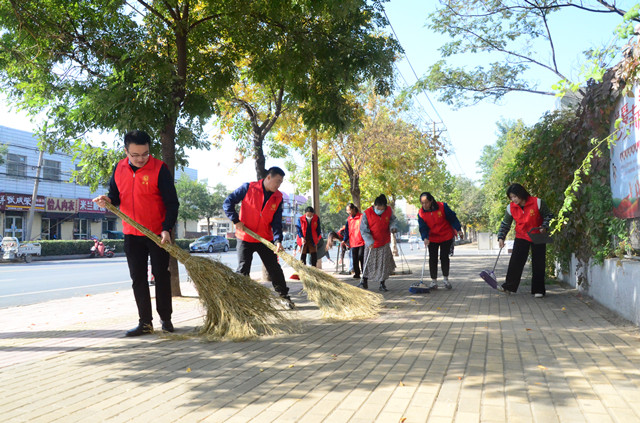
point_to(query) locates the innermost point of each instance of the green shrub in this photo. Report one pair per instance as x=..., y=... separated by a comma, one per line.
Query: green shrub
x=233, y=242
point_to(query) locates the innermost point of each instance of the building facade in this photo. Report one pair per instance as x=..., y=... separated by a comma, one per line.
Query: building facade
x=63, y=209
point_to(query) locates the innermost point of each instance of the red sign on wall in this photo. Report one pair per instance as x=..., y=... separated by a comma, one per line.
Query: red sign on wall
x=19, y=202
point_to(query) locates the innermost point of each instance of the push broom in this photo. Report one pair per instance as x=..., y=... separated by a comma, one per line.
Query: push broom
x=237, y=307
x=336, y=300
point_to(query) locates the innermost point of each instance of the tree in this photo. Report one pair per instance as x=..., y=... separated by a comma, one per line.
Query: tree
x=193, y=197
x=3, y=152
x=212, y=207
x=310, y=61
x=520, y=33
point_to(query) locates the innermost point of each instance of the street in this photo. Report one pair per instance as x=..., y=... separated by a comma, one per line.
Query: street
x=24, y=284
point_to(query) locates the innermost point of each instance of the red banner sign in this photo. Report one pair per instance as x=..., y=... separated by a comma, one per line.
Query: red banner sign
x=19, y=202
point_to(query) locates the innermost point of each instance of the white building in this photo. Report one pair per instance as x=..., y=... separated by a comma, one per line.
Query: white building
x=63, y=209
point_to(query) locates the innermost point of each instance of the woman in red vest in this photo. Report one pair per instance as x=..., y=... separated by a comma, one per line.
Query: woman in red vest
x=353, y=239
x=438, y=226
x=309, y=233
x=378, y=222
x=528, y=212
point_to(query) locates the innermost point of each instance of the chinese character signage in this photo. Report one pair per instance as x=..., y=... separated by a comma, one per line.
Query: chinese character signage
x=625, y=160
x=86, y=205
x=19, y=202
x=61, y=205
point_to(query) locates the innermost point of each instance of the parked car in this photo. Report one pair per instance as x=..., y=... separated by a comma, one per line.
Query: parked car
x=209, y=243
x=113, y=235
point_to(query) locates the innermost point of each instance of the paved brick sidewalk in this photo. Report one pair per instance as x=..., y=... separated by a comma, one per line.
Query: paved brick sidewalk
x=465, y=355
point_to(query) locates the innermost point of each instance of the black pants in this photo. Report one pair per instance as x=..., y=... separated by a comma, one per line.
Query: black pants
x=357, y=259
x=519, y=259
x=314, y=258
x=138, y=250
x=269, y=259
x=445, y=249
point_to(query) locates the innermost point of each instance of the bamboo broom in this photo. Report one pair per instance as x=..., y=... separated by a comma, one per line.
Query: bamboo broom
x=237, y=307
x=337, y=300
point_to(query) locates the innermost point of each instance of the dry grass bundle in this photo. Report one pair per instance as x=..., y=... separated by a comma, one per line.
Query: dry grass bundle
x=337, y=300
x=237, y=307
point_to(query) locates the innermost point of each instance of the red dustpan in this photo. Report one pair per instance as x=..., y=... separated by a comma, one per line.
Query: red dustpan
x=489, y=276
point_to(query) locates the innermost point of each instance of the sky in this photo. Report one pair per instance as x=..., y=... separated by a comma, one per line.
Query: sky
x=468, y=129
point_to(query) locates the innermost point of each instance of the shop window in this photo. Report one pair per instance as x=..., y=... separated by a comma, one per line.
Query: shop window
x=13, y=226
x=81, y=229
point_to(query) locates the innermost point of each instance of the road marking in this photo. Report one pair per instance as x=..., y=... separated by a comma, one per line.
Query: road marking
x=70, y=288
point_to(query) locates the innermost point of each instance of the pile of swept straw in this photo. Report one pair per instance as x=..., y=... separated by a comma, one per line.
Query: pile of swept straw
x=237, y=307
x=336, y=300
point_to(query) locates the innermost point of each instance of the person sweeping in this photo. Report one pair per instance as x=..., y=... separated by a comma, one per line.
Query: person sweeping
x=528, y=212
x=310, y=234
x=438, y=226
x=143, y=187
x=261, y=212
x=378, y=222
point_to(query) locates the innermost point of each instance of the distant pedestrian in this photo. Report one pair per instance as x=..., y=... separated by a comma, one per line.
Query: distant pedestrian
x=309, y=232
x=353, y=239
x=378, y=223
x=144, y=189
x=260, y=211
x=438, y=226
x=529, y=212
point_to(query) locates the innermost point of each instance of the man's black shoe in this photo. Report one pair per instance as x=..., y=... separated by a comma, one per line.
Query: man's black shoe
x=356, y=276
x=363, y=285
x=141, y=329
x=167, y=326
x=382, y=287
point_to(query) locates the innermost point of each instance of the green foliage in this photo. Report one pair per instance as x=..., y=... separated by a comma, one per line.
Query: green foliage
x=403, y=224
x=465, y=199
x=3, y=153
x=196, y=201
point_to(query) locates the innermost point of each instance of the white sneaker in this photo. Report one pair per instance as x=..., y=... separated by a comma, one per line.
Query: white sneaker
x=501, y=289
x=538, y=295
x=447, y=284
x=433, y=285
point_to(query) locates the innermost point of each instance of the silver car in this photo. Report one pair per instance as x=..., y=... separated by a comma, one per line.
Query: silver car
x=209, y=243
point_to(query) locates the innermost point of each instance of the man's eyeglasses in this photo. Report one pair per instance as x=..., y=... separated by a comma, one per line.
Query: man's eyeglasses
x=138, y=156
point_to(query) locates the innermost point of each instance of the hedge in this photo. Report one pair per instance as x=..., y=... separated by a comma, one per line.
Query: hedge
x=83, y=246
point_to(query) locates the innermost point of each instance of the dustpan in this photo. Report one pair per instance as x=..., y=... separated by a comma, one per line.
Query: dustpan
x=539, y=238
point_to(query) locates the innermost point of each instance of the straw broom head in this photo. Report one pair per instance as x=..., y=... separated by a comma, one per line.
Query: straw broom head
x=337, y=300
x=237, y=307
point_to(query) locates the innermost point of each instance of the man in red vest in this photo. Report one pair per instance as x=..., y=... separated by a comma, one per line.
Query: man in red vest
x=144, y=189
x=260, y=211
x=309, y=232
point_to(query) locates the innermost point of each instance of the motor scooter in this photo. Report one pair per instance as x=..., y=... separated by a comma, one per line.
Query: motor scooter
x=101, y=250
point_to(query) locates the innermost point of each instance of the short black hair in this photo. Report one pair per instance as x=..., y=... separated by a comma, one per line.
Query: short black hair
x=136, y=137
x=309, y=209
x=380, y=200
x=519, y=191
x=275, y=170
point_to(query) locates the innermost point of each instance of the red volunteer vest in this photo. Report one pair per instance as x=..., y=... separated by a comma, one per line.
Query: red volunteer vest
x=140, y=197
x=379, y=226
x=254, y=216
x=355, y=237
x=526, y=218
x=314, y=227
x=440, y=230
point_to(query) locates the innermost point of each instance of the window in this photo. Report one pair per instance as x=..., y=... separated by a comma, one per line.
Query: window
x=80, y=228
x=51, y=170
x=16, y=165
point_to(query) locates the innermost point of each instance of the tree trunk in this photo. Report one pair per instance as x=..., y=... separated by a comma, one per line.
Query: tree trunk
x=258, y=154
x=354, y=188
x=167, y=137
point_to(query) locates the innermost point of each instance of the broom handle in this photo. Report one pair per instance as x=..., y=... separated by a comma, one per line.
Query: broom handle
x=366, y=261
x=401, y=252
x=496, y=263
x=424, y=261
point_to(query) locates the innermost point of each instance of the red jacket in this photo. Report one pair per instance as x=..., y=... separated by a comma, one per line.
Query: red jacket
x=140, y=197
x=355, y=237
x=440, y=230
x=315, y=220
x=379, y=226
x=526, y=218
x=255, y=217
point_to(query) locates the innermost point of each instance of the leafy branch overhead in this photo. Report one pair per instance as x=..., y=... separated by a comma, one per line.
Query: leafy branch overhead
x=518, y=33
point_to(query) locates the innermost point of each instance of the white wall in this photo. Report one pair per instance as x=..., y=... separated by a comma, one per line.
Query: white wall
x=615, y=285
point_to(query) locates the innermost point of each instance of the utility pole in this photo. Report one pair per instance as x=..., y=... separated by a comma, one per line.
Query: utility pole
x=34, y=198
x=315, y=184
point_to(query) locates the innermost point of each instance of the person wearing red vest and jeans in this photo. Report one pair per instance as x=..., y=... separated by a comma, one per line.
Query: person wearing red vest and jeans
x=438, y=226
x=378, y=222
x=261, y=211
x=144, y=189
x=309, y=232
x=529, y=212
x=353, y=239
